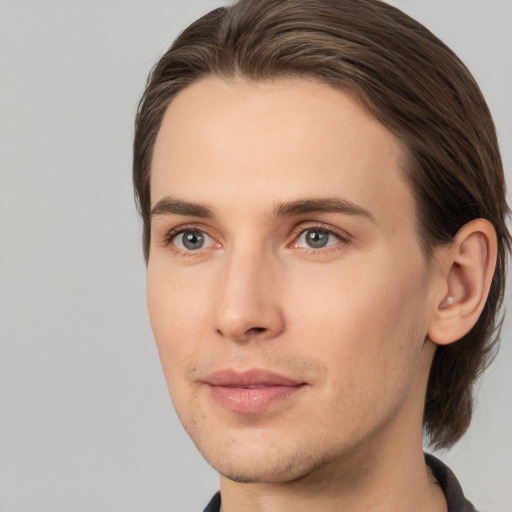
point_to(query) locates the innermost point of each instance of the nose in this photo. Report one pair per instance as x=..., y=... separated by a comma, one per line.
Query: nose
x=248, y=305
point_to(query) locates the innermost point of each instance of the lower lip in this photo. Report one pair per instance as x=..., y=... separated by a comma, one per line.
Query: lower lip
x=252, y=400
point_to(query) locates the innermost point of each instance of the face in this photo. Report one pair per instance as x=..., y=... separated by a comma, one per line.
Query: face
x=287, y=290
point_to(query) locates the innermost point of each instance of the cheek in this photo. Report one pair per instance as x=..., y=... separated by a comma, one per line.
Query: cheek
x=177, y=308
x=368, y=334
x=174, y=306
x=363, y=316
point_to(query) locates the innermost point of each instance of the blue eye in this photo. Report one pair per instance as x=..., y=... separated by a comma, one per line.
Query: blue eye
x=316, y=239
x=192, y=240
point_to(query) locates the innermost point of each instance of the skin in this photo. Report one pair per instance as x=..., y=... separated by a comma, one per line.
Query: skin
x=349, y=320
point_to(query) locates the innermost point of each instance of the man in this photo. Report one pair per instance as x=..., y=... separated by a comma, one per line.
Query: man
x=324, y=227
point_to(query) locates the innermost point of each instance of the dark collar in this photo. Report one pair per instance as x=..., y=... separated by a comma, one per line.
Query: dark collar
x=450, y=485
x=214, y=505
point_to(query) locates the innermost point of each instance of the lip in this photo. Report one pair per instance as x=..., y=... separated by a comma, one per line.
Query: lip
x=252, y=391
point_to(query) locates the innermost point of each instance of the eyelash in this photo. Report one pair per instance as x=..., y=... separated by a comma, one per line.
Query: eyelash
x=297, y=232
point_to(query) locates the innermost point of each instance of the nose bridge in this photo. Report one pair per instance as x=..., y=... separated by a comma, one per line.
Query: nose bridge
x=247, y=305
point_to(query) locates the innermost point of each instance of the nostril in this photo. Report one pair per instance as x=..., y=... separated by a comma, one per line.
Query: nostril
x=257, y=329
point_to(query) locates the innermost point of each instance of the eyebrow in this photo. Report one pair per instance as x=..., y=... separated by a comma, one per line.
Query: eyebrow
x=171, y=206
x=323, y=205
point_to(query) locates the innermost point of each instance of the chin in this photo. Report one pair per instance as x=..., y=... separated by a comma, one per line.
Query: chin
x=266, y=465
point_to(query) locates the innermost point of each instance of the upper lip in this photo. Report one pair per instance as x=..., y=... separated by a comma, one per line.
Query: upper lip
x=254, y=377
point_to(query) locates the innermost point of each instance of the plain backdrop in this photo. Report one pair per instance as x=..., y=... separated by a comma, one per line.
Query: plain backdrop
x=85, y=419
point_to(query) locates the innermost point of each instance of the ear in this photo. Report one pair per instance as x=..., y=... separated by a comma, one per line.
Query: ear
x=466, y=270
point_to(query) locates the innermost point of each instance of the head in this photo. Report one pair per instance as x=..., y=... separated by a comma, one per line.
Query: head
x=400, y=76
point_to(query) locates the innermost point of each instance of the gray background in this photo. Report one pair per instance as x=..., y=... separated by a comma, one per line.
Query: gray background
x=85, y=420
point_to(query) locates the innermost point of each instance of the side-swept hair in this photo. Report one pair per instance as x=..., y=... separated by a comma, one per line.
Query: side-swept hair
x=408, y=80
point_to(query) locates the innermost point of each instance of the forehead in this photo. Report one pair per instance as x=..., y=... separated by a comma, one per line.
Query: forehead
x=275, y=142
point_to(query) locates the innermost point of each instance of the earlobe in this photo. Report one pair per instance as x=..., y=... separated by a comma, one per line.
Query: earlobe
x=467, y=268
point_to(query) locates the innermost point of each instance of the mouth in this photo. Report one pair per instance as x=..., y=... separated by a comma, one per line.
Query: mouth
x=252, y=391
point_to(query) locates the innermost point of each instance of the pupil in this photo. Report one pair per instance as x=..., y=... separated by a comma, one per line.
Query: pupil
x=193, y=240
x=317, y=239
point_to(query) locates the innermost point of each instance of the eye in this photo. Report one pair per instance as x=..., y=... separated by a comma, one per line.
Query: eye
x=192, y=240
x=316, y=238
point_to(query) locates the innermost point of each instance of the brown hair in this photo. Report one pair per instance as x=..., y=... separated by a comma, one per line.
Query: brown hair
x=412, y=83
